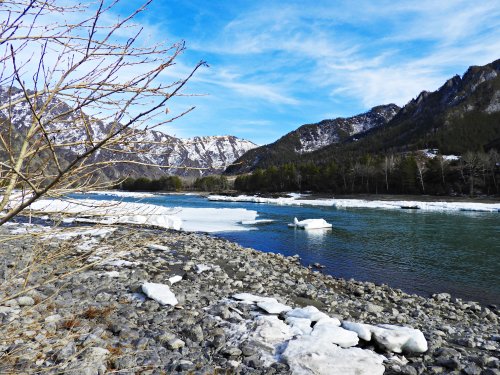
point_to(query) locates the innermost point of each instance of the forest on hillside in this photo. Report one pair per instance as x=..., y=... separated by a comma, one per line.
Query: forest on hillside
x=475, y=173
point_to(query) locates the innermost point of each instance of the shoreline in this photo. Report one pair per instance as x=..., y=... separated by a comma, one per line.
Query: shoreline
x=317, y=196
x=461, y=335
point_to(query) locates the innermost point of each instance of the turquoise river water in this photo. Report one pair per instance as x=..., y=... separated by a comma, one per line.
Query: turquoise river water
x=417, y=251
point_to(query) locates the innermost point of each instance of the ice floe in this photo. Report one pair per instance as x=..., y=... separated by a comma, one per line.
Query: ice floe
x=161, y=293
x=310, y=224
x=257, y=222
x=311, y=342
x=361, y=203
x=117, y=212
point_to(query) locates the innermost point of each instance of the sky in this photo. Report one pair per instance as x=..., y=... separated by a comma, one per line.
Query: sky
x=276, y=65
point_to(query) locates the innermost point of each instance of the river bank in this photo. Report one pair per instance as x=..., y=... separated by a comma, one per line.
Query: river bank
x=99, y=319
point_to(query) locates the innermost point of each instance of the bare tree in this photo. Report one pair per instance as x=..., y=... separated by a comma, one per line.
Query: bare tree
x=421, y=162
x=89, y=83
x=471, y=161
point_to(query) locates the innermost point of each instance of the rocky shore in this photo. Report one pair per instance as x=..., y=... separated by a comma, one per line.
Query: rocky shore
x=128, y=300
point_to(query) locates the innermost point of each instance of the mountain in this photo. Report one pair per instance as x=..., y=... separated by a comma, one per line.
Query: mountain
x=312, y=137
x=194, y=156
x=462, y=115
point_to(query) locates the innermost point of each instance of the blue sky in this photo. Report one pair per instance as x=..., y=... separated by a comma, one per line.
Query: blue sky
x=275, y=65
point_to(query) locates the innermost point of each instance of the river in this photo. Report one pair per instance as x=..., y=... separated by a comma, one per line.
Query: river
x=414, y=250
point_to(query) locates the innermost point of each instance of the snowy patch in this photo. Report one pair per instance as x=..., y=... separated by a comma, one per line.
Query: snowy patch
x=116, y=212
x=161, y=293
x=361, y=203
x=118, y=193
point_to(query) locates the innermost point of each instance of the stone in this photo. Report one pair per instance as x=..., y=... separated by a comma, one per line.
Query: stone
x=175, y=344
x=25, y=301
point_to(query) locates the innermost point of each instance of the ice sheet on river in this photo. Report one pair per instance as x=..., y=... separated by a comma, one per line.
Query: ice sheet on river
x=361, y=203
x=117, y=212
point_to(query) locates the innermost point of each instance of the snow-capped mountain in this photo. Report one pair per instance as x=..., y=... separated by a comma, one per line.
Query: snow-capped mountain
x=154, y=153
x=312, y=137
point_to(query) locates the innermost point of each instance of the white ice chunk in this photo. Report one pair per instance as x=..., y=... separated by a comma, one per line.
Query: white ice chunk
x=174, y=279
x=154, y=246
x=202, y=268
x=252, y=298
x=110, y=274
x=270, y=333
x=300, y=326
x=308, y=312
x=310, y=224
x=362, y=330
x=273, y=307
x=161, y=293
x=400, y=339
x=328, y=330
x=309, y=355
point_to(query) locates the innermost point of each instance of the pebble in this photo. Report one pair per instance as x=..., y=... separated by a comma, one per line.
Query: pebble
x=126, y=329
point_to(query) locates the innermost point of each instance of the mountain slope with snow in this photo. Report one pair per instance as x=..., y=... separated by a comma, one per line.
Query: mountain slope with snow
x=312, y=137
x=152, y=152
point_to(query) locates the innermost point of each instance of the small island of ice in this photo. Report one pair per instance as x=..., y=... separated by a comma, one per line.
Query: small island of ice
x=310, y=224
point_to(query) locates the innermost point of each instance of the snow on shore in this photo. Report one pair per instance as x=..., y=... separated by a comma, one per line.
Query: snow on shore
x=116, y=212
x=361, y=203
x=116, y=193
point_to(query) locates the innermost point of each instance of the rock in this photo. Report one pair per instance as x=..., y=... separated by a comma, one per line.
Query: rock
x=93, y=362
x=185, y=365
x=472, y=369
x=442, y=296
x=374, y=309
x=175, y=344
x=25, y=301
x=195, y=333
x=66, y=352
x=232, y=351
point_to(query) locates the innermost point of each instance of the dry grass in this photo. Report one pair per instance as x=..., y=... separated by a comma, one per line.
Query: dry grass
x=98, y=313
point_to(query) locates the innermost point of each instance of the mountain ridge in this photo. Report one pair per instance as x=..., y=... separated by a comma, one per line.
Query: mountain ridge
x=157, y=153
x=461, y=115
x=312, y=137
